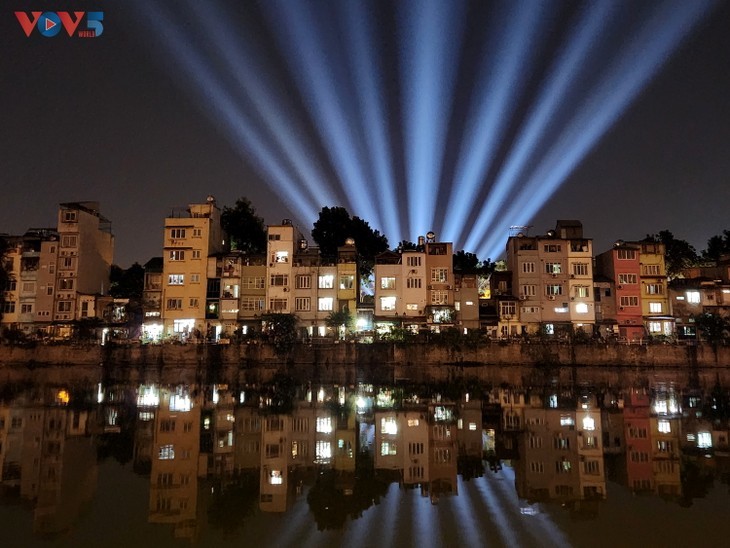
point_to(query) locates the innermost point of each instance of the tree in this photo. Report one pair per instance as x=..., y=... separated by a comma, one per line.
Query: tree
x=678, y=254
x=281, y=331
x=126, y=284
x=245, y=229
x=340, y=320
x=335, y=225
x=406, y=245
x=717, y=246
x=714, y=328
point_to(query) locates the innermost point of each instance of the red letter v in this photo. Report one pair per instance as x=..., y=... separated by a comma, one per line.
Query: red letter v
x=25, y=21
x=68, y=23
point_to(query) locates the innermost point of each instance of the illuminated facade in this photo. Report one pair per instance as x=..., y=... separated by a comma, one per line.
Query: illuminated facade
x=622, y=267
x=552, y=276
x=654, y=291
x=190, y=237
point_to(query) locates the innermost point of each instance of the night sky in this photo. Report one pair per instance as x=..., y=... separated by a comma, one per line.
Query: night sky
x=113, y=119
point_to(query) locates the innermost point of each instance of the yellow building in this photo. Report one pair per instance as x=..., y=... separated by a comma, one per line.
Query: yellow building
x=190, y=236
x=654, y=291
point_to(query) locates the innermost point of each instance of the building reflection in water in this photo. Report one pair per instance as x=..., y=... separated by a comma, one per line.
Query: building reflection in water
x=217, y=455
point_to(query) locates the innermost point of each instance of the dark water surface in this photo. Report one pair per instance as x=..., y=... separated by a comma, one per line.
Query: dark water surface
x=642, y=464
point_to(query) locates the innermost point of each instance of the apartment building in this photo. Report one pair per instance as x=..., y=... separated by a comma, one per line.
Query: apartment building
x=188, y=283
x=654, y=292
x=552, y=276
x=85, y=256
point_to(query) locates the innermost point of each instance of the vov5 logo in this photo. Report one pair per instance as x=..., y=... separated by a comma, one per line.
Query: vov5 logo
x=49, y=23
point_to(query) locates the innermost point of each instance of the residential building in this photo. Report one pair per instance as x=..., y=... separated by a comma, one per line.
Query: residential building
x=85, y=256
x=552, y=276
x=622, y=267
x=190, y=290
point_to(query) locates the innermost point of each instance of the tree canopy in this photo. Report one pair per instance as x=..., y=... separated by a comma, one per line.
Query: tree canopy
x=335, y=225
x=126, y=284
x=717, y=246
x=245, y=229
x=678, y=254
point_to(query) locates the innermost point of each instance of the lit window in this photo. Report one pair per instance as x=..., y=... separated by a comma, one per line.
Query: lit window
x=566, y=420
x=655, y=308
x=387, y=303
x=324, y=425
x=439, y=297
x=553, y=268
x=326, y=281
x=325, y=303
x=664, y=426
x=388, y=425
x=176, y=279
x=589, y=423
x=388, y=448
x=387, y=282
x=693, y=297
x=627, y=279
x=275, y=477
x=439, y=275
x=281, y=257
x=581, y=291
x=472, y=426
x=347, y=281
x=704, y=440
x=323, y=450
x=581, y=308
x=655, y=327
x=167, y=452
x=177, y=255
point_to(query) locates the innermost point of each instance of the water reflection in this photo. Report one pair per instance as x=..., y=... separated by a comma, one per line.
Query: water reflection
x=219, y=456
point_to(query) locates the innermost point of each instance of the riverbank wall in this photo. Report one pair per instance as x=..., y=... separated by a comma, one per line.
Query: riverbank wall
x=350, y=363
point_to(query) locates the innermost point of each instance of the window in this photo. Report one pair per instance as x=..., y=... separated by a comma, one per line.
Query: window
x=323, y=450
x=655, y=308
x=388, y=448
x=347, y=281
x=507, y=308
x=389, y=425
x=535, y=442
x=176, y=279
x=281, y=257
x=412, y=307
x=177, y=233
x=253, y=282
x=273, y=450
x=197, y=233
x=581, y=291
x=63, y=306
x=439, y=297
x=651, y=270
x=580, y=269
x=69, y=241
x=591, y=467
x=324, y=425
x=627, y=278
x=537, y=467
x=69, y=217
x=553, y=289
x=581, y=308
x=561, y=443
x=655, y=327
x=439, y=275
x=654, y=289
x=166, y=452
x=275, y=477
x=387, y=282
x=664, y=426
x=325, y=303
x=589, y=423
x=413, y=261
x=413, y=283
x=326, y=281
x=303, y=282
x=65, y=284
x=278, y=305
x=528, y=290
x=629, y=301
x=551, y=248
x=302, y=304
x=195, y=278
x=67, y=263
x=167, y=425
x=279, y=280
x=177, y=255
x=693, y=297
x=26, y=308
x=387, y=303
x=193, y=303
x=553, y=268
x=442, y=455
x=274, y=237
x=626, y=254
x=528, y=268
x=415, y=448
x=196, y=254
x=9, y=307
x=562, y=467
x=252, y=303
x=639, y=433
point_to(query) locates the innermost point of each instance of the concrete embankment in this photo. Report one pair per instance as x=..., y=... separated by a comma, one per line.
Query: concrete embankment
x=350, y=363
